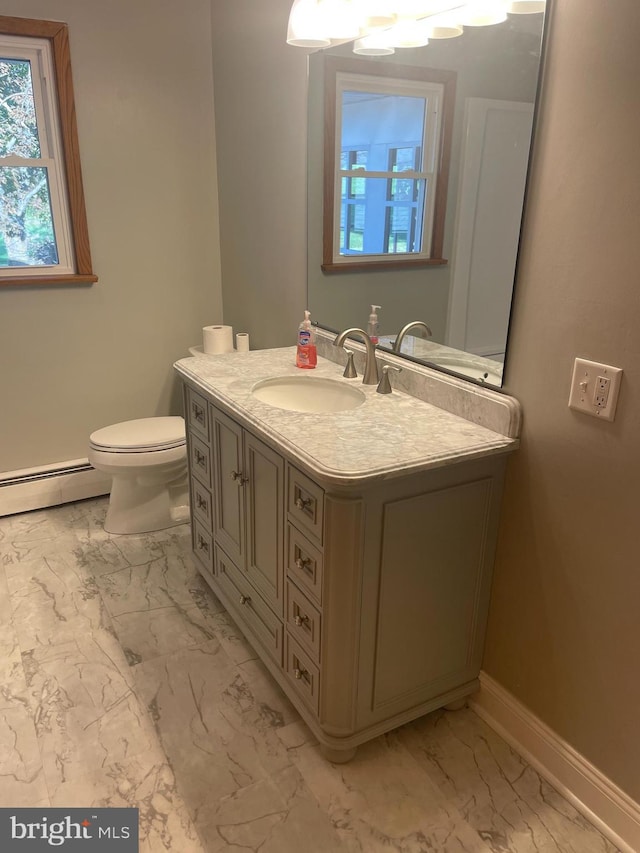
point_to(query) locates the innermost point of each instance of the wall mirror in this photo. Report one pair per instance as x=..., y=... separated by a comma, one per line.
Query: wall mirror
x=465, y=301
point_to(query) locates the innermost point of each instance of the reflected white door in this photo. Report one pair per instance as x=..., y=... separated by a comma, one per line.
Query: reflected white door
x=497, y=137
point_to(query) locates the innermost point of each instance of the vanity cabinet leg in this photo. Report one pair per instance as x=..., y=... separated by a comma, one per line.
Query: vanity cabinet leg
x=337, y=756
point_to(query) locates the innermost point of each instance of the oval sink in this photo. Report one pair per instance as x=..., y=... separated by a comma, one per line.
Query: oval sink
x=308, y=394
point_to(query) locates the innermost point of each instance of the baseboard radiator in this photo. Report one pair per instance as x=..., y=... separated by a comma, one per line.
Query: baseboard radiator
x=50, y=485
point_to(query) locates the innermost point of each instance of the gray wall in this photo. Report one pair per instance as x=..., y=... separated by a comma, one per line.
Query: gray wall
x=78, y=358
x=563, y=632
x=261, y=127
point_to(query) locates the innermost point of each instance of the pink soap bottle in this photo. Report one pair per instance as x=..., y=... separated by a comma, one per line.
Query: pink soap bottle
x=306, y=353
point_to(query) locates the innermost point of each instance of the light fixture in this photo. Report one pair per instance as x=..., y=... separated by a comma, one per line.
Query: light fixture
x=376, y=44
x=306, y=26
x=376, y=13
x=444, y=26
x=483, y=13
x=342, y=19
x=525, y=7
x=377, y=27
x=408, y=32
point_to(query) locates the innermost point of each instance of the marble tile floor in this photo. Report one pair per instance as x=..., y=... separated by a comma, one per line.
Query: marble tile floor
x=124, y=683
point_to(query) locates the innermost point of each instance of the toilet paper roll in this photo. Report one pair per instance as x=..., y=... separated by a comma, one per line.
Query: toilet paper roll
x=217, y=339
x=242, y=342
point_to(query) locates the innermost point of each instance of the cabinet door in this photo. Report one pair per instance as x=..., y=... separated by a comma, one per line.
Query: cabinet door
x=265, y=520
x=229, y=481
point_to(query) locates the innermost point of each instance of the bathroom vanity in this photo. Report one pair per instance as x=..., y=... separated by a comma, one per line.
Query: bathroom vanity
x=354, y=549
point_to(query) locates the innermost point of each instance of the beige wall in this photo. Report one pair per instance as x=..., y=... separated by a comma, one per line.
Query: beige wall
x=75, y=359
x=564, y=629
x=261, y=128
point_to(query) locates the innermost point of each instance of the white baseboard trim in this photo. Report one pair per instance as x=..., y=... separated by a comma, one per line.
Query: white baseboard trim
x=50, y=485
x=612, y=811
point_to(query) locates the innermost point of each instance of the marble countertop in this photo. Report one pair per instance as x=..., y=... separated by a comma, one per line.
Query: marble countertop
x=387, y=436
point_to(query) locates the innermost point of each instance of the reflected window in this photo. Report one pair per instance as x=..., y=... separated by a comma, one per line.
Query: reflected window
x=387, y=169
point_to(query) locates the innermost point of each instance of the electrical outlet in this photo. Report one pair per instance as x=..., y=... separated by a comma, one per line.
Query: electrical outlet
x=594, y=388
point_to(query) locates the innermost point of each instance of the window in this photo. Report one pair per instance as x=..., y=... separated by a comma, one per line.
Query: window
x=388, y=132
x=43, y=228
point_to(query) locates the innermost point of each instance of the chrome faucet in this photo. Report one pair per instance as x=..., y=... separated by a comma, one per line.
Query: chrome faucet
x=371, y=366
x=397, y=344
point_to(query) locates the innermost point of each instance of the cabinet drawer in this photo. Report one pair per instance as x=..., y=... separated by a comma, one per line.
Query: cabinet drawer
x=203, y=546
x=303, y=620
x=304, y=563
x=201, y=503
x=305, y=502
x=200, y=460
x=248, y=607
x=197, y=414
x=303, y=674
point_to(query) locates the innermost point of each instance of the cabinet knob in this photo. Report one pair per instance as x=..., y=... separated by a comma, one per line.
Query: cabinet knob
x=198, y=413
x=303, y=563
x=301, y=621
x=303, y=503
x=200, y=458
x=203, y=545
x=201, y=502
x=299, y=674
x=245, y=599
x=237, y=476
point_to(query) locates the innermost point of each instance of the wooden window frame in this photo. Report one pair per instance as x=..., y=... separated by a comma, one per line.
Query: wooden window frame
x=57, y=34
x=334, y=65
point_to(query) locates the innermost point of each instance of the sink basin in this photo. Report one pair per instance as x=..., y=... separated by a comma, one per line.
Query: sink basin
x=308, y=394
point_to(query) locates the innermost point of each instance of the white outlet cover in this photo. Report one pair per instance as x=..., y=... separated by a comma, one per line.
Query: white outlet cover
x=584, y=382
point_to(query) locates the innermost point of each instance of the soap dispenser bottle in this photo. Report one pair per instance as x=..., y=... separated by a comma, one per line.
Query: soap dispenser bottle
x=373, y=325
x=306, y=353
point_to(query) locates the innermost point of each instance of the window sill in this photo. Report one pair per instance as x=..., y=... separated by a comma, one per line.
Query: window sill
x=359, y=266
x=45, y=280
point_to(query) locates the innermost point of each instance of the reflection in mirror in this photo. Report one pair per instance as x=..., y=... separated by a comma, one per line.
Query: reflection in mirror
x=385, y=175
x=466, y=300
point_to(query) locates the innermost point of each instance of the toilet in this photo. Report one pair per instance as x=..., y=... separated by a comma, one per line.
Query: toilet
x=147, y=459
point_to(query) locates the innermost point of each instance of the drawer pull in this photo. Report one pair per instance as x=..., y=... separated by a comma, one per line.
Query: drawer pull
x=203, y=545
x=201, y=502
x=300, y=674
x=237, y=476
x=198, y=413
x=201, y=459
x=301, y=621
x=245, y=599
x=303, y=503
x=304, y=564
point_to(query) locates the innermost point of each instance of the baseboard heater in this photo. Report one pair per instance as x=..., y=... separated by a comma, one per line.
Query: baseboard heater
x=50, y=485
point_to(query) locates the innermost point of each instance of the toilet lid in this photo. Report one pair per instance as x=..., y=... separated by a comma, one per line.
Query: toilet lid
x=141, y=435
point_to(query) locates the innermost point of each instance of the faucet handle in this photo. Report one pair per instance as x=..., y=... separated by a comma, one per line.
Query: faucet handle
x=350, y=371
x=384, y=386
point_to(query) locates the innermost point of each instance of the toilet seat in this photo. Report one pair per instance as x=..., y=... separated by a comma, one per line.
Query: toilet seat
x=145, y=435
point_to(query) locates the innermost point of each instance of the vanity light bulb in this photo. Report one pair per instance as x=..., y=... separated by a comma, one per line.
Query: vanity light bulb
x=483, y=13
x=526, y=7
x=408, y=34
x=306, y=26
x=341, y=19
x=376, y=44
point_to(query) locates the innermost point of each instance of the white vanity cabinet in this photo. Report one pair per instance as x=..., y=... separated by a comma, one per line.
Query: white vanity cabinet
x=367, y=601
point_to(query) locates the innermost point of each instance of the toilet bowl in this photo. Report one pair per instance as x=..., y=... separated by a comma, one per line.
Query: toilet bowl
x=147, y=459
